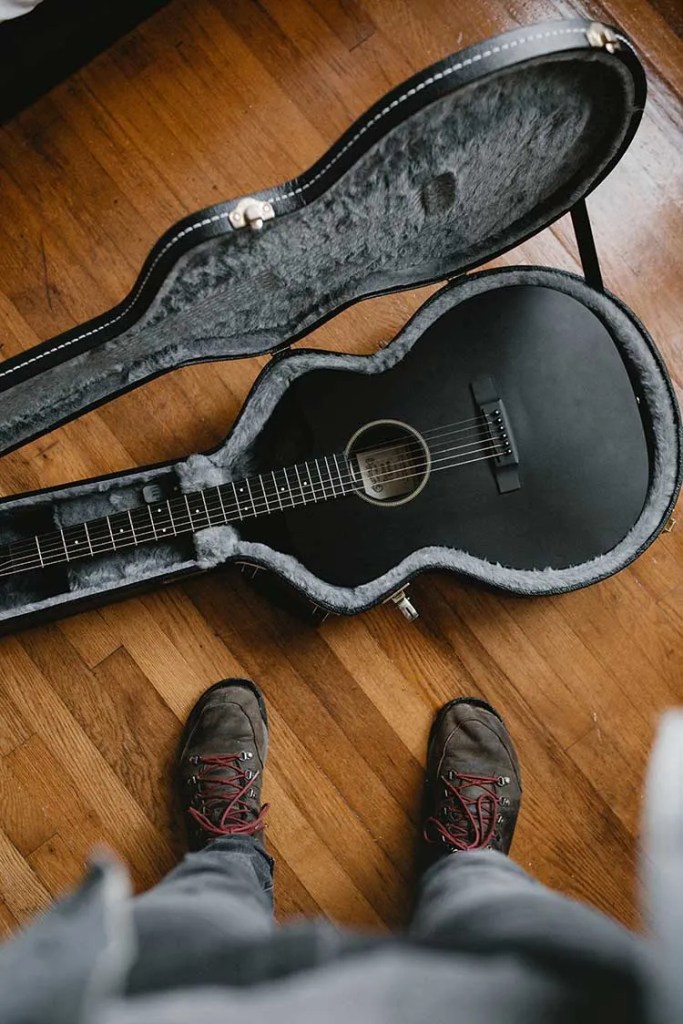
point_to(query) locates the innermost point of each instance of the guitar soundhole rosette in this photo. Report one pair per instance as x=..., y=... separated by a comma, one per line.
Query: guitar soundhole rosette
x=389, y=461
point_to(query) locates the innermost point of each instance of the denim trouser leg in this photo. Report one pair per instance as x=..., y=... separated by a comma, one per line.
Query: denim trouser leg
x=224, y=892
x=483, y=901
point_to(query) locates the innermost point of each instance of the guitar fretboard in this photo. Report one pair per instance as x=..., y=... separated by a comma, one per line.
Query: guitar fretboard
x=322, y=479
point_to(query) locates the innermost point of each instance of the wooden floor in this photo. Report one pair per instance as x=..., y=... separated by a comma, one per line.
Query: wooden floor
x=214, y=98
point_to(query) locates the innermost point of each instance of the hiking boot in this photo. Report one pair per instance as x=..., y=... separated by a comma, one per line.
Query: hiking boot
x=473, y=788
x=222, y=755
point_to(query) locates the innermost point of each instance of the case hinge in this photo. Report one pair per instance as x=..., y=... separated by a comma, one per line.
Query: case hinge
x=251, y=213
x=404, y=604
x=602, y=37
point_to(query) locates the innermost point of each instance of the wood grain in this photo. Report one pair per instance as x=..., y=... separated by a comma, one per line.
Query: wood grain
x=211, y=99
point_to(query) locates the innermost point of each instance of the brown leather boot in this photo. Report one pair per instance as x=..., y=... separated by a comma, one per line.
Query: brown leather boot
x=222, y=756
x=473, y=788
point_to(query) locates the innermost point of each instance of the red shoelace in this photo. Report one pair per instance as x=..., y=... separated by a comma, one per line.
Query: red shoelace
x=223, y=782
x=473, y=818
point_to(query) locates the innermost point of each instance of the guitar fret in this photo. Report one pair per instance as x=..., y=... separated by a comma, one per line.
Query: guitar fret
x=329, y=473
x=310, y=482
x=206, y=508
x=277, y=490
x=301, y=486
x=321, y=479
x=132, y=527
x=289, y=488
x=220, y=499
x=265, y=496
x=339, y=474
x=113, y=542
x=66, y=550
x=189, y=514
x=237, y=501
x=87, y=537
x=251, y=496
x=40, y=554
x=151, y=519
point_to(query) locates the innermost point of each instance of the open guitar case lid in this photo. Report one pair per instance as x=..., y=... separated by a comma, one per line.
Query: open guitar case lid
x=459, y=164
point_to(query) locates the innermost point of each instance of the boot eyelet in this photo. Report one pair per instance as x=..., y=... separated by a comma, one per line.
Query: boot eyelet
x=445, y=791
x=499, y=819
x=249, y=774
x=192, y=781
x=503, y=780
x=505, y=801
x=245, y=755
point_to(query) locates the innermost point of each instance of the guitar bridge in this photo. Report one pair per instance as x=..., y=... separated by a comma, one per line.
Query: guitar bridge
x=491, y=406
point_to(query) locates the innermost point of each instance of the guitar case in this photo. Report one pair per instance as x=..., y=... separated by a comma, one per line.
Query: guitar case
x=457, y=165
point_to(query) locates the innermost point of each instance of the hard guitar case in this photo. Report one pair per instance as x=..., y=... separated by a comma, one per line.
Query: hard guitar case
x=459, y=164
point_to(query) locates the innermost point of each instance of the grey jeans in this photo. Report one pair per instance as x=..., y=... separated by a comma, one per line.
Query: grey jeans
x=210, y=922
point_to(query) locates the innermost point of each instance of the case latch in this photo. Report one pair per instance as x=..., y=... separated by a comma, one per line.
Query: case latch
x=602, y=37
x=405, y=605
x=251, y=213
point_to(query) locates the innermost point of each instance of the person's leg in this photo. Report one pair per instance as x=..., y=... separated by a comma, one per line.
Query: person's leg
x=222, y=890
x=472, y=896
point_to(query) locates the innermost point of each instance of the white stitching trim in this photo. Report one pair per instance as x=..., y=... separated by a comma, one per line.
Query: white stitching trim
x=483, y=55
x=417, y=88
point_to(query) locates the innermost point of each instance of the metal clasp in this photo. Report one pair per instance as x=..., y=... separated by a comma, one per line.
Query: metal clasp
x=602, y=37
x=251, y=213
x=405, y=605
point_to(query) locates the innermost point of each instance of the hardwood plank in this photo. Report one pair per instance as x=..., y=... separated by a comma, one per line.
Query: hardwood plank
x=20, y=890
x=8, y=922
x=125, y=826
x=26, y=822
x=13, y=729
x=56, y=866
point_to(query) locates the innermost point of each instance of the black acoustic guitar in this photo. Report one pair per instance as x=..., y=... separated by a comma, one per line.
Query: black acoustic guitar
x=511, y=430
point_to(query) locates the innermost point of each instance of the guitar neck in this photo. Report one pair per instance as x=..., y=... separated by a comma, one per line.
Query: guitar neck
x=322, y=479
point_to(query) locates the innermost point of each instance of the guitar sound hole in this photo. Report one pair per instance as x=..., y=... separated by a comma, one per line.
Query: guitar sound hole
x=390, y=462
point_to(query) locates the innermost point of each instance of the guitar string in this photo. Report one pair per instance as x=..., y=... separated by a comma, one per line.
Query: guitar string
x=190, y=529
x=475, y=423
x=152, y=534
x=29, y=547
x=59, y=547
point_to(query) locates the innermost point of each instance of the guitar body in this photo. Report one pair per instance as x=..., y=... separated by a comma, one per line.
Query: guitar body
x=583, y=460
